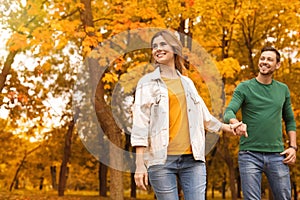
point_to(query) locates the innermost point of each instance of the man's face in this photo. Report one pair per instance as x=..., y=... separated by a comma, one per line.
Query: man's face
x=267, y=63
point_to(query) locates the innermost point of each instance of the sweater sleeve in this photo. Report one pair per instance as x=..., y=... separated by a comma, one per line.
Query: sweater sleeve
x=235, y=103
x=287, y=113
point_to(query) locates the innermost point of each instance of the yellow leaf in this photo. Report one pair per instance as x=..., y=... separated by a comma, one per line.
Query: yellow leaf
x=107, y=87
x=80, y=5
x=17, y=42
x=229, y=67
x=90, y=29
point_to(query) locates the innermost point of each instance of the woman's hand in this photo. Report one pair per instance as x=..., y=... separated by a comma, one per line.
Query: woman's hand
x=141, y=177
x=240, y=129
x=237, y=128
x=141, y=174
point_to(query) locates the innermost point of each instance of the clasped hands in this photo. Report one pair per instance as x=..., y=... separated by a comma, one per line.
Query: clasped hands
x=239, y=129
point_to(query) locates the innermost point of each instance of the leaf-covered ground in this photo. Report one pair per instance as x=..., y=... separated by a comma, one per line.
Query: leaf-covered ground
x=37, y=195
x=84, y=195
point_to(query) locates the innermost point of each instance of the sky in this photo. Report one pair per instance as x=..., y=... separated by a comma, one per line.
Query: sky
x=3, y=53
x=57, y=105
x=4, y=35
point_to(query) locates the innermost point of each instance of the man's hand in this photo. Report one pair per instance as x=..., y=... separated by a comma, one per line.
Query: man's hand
x=290, y=158
x=241, y=130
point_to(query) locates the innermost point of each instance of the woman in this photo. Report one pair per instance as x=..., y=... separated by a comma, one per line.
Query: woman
x=169, y=118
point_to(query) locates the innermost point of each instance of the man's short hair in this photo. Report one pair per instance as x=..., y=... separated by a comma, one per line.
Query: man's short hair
x=269, y=48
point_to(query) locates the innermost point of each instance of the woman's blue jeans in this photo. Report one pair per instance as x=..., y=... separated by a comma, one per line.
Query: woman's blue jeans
x=253, y=164
x=190, y=173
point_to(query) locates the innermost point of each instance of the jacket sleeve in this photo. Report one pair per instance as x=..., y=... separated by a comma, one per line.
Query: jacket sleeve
x=210, y=122
x=141, y=116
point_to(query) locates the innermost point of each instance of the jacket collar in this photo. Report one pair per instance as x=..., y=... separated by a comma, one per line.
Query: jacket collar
x=156, y=74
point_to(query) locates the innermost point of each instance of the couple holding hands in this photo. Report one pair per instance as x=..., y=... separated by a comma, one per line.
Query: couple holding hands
x=170, y=119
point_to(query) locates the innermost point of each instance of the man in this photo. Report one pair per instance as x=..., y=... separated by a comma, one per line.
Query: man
x=264, y=102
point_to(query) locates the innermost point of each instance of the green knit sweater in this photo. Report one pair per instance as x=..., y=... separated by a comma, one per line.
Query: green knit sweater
x=263, y=108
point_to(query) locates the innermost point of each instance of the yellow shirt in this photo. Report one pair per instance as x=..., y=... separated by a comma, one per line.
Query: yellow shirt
x=179, y=137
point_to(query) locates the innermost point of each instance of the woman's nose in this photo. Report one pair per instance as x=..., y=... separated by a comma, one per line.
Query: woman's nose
x=158, y=48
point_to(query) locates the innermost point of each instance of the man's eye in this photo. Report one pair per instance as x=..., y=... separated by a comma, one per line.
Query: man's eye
x=262, y=58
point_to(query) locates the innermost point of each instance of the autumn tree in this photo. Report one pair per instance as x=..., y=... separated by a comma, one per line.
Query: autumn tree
x=30, y=89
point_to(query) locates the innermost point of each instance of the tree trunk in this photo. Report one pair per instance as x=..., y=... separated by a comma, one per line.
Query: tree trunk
x=132, y=163
x=111, y=129
x=132, y=181
x=133, y=186
x=41, y=183
x=229, y=162
x=15, y=179
x=104, y=115
x=16, y=184
x=66, y=157
x=209, y=169
x=6, y=68
x=102, y=172
x=226, y=153
x=53, y=177
x=181, y=30
x=224, y=187
x=232, y=179
x=294, y=189
x=248, y=42
x=239, y=184
x=250, y=60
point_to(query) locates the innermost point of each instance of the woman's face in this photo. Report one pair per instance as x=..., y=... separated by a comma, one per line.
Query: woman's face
x=162, y=52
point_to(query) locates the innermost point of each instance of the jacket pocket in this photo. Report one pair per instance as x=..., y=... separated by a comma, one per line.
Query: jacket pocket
x=194, y=98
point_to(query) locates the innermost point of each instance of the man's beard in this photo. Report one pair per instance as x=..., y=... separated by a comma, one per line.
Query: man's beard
x=268, y=73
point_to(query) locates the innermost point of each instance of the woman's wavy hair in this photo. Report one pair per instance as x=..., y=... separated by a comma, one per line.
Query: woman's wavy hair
x=172, y=40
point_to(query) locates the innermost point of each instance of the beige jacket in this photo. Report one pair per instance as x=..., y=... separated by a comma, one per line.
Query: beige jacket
x=151, y=118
